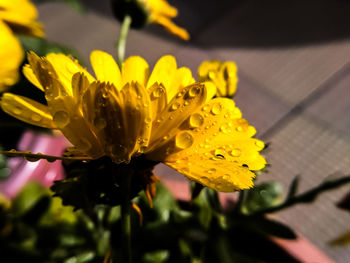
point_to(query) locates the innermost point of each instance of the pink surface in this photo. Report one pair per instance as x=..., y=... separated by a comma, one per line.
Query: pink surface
x=42, y=171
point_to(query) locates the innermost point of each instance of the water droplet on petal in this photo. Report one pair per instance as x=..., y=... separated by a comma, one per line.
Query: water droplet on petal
x=226, y=177
x=196, y=120
x=239, y=128
x=175, y=106
x=205, y=180
x=157, y=92
x=166, y=137
x=61, y=119
x=220, y=153
x=236, y=152
x=17, y=110
x=194, y=91
x=36, y=117
x=211, y=171
x=217, y=108
x=184, y=140
x=100, y=123
x=259, y=144
x=205, y=108
x=148, y=120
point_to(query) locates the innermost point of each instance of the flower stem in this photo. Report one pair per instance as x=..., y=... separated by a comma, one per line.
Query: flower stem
x=122, y=39
x=125, y=219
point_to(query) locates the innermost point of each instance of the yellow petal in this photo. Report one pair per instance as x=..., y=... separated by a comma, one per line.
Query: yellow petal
x=211, y=90
x=182, y=78
x=27, y=110
x=158, y=98
x=164, y=129
x=21, y=15
x=163, y=72
x=135, y=69
x=65, y=67
x=105, y=68
x=220, y=175
x=80, y=84
x=128, y=115
x=29, y=74
x=170, y=26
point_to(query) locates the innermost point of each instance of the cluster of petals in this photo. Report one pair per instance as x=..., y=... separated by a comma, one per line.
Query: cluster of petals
x=163, y=115
x=17, y=16
x=162, y=13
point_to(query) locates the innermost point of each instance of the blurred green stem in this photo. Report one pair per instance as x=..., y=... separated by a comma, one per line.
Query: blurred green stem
x=122, y=39
x=125, y=217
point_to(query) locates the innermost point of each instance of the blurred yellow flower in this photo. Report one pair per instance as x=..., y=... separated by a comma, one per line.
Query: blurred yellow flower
x=164, y=116
x=162, y=13
x=11, y=56
x=21, y=16
x=18, y=16
x=223, y=75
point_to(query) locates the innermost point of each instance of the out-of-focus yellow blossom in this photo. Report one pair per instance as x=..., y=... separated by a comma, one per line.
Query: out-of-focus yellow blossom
x=162, y=13
x=18, y=16
x=164, y=116
x=149, y=11
x=222, y=75
x=21, y=16
x=11, y=56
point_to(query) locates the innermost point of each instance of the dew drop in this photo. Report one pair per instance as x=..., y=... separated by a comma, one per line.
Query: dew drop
x=17, y=110
x=211, y=171
x=205, y=108
x=61, y=119
x=36, y=117
x=183, y=140
x=239, y=128
x=220, y=153
x=100, y=123
x=166, y=137
x=194, y=91
x=196, y=120
x=236, y=152
x=226, y=177
x=157, y=92
x=259, y=144
x=217, y=108
x=179, y=94
x=148, y=120
x=175, y=106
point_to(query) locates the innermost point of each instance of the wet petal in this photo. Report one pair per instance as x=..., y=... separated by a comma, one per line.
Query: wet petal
x=220, y=175
x=27, y=110
x=105, y=68
x=163, y=72
x=164, y=129
x=135, y=69
x=29, y=74
x=182, y=78
x=158, y=98
x=80, y=84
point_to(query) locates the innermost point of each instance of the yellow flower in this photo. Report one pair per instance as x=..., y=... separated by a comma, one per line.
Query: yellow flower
x=21, y=16
x=149, y=11
x=162, y=13
x=11, y=56
x=222, y=75
x=18, y=15
x=164, y=116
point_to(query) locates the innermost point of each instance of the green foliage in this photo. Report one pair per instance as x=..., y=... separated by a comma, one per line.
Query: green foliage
x=76, y=5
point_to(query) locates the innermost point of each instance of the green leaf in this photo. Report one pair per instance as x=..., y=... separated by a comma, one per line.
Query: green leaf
x=262, y=196
x=42, y=47
x=76, y=5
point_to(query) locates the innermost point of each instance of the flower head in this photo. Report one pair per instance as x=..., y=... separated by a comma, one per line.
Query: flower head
x=18, y=16
x=223, y=75
x=149, y=11
x=163, y=115
x=21, y=16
